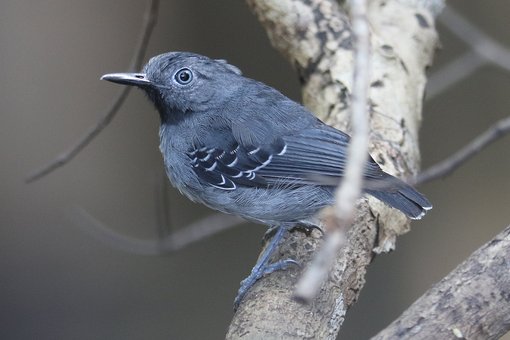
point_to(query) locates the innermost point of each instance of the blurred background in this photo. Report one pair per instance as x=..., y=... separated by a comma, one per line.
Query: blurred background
x=58, y=281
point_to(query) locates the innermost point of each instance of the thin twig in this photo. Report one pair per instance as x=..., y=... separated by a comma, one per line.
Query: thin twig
x=163, y=206
x=446, y=166
x=169, y=239
x=483, y=50
x=450, y=164
x=178, y=239
x=65, y=157
x=479, y=42
x=453, y=72
x=350, y=189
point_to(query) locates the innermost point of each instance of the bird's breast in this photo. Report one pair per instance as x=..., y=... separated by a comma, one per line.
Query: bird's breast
x=173, y=146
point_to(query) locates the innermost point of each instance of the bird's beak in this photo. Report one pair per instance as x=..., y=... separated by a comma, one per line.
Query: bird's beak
x=137, y=79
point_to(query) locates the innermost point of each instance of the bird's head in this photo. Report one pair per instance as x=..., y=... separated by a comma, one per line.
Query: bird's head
x=181, y=83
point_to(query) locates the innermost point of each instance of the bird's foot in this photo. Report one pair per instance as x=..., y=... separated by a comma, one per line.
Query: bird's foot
x=247, y=283
x=262, y=267
x=307, y=228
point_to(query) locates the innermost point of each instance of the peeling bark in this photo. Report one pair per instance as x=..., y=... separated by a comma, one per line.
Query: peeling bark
x=315, y=36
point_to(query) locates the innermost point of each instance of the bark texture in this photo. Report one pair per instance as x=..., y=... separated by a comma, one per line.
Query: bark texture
x=315, y=36
x=472, y=302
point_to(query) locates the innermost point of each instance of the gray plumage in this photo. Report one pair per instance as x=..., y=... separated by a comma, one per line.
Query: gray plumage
x=241, y=147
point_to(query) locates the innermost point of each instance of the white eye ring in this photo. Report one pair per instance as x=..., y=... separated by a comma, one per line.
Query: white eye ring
x=184, y=76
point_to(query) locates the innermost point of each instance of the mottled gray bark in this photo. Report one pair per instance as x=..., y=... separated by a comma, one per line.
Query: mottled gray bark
x=315, y=36
x=472, y=302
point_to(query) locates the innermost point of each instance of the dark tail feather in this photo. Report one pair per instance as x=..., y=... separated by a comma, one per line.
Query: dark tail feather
x=402, y=196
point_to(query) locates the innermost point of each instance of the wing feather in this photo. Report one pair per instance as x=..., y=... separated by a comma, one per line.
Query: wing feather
x=298, y=159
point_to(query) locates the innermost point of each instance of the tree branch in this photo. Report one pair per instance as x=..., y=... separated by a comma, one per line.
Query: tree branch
x=483, y=50
x=453, y=72
x=169, y=239
x=61, y=160
x=174, y=241
x=341, y=216
x=453, y=162
x=472, y=302
x=480, y=42
x=450, y=164
x=315, y=37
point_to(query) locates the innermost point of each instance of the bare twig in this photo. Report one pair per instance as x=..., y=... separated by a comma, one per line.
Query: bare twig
x=483, y=50
x=453, y=72
x=470, y=303
x=433, y=6
x=169, y=239
x=479, y=42
x=350, y=188
x=163, y=207
x=178, y=239
x=64, y=158
x=316, y=273
x=450, y=164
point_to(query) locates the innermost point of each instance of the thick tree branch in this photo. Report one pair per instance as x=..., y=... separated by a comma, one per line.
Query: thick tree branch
x=136, y=63
x=472, y=302
x=349, y=191
x=315, y=36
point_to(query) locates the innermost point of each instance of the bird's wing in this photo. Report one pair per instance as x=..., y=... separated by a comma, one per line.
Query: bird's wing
x=299, y=158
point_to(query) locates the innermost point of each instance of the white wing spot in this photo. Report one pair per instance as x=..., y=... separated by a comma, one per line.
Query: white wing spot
x=206, y=158
x=263, y=164
x=232, y=187
x=212, y=167
x=284, y=150
x=254, y=151
x=250, y=175
x=222, y=180
x=234, y=162
x=221, y=155
x=235, y=150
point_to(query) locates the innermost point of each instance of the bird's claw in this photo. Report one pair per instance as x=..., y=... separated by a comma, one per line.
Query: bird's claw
x=257, y=273
x=308, y=228
x=262, y=267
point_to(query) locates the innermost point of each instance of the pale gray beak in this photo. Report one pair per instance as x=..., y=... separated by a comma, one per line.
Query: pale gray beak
x=137, y=79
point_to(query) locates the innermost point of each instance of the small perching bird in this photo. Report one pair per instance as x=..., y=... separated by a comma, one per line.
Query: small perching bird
x=241, y=147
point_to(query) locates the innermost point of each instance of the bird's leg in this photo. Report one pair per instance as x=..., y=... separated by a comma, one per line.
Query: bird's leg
x=262, y=267
x=270, y=232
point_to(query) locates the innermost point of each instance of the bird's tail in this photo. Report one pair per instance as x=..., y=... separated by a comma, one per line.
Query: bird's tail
x=401, y=196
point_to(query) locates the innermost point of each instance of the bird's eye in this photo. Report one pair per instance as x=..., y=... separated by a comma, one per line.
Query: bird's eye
x=183, y=76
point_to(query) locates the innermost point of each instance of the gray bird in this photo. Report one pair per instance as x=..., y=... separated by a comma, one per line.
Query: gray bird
x=243, y=148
